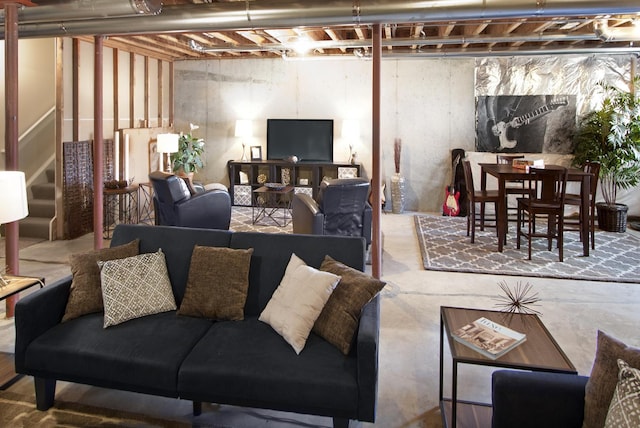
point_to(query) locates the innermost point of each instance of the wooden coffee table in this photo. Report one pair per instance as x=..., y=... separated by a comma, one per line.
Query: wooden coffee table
x=539, y=352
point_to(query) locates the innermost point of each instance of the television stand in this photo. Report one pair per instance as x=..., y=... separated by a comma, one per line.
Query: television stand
x=304, y=176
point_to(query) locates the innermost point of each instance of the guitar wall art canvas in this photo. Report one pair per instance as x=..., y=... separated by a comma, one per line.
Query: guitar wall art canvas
x=525, y=123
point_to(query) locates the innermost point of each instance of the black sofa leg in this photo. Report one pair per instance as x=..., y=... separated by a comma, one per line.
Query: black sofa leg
x=45, y=392
x=340, y=423
x=197, y=408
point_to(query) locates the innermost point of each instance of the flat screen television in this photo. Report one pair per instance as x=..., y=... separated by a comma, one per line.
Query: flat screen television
x=309, y=139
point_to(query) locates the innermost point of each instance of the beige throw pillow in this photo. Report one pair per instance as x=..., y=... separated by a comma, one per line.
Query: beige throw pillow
x=624, y=410
x=218, y=283
x=604, y=376
x=297, y=302
x=85, y=295
x=339, y=319
x=135, y=287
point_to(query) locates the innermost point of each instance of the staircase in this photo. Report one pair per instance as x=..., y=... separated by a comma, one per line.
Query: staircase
x=41, y=209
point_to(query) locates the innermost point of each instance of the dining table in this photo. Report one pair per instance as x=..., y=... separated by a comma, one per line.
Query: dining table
x=505, y=172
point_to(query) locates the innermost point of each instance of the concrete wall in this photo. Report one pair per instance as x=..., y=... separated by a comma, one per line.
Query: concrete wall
x=429, y=104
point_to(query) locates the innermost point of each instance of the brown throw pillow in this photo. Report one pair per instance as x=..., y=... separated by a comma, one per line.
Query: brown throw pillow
x=604, y=377
x=85, y=295
x=218, y=283
x=339, y=318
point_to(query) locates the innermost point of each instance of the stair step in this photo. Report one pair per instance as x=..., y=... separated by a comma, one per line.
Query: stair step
x=44, y=191
x=42, y=208
x=51, y=175
x=35, y=227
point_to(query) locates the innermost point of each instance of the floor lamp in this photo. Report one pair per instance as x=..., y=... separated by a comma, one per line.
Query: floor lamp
x=14, y=202
x=167, y=143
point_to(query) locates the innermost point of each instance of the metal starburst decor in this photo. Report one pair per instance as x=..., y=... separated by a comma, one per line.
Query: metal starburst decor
x=519, y=300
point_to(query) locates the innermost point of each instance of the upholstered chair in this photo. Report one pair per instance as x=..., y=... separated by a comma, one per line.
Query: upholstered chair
x=341, y=208
x=176, y=205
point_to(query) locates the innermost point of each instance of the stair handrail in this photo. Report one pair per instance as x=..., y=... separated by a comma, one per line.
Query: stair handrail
x=33, y=126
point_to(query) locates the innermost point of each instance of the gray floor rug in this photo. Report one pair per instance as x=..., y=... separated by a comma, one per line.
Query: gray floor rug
x=242, y=221
x=445, y=246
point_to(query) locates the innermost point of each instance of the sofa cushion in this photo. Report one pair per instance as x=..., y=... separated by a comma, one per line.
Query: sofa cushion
x=218, y=283
x=85, y=295
x=298, y=300
x=177, y=244
x=604, y=376
x=247, y=363
x=268, y=266
x=624, y=410
x=134, y=287
x=142, y=355
x=339, y=318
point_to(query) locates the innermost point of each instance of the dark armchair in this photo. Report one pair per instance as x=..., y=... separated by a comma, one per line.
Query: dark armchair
x=537, y=399
x=175, y=205
x=341, y=208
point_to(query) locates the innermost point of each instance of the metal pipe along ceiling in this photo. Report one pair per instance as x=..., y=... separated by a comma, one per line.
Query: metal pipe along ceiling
x=84, y=10
x=278, y=14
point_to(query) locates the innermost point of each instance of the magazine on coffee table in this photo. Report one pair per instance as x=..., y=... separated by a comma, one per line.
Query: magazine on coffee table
x=488, y=338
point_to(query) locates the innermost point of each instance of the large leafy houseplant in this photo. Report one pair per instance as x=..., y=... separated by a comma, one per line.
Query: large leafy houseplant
x=611, y=136
x=188, y=158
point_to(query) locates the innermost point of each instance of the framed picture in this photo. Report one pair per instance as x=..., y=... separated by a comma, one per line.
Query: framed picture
x=155, y=158
x=256, y=153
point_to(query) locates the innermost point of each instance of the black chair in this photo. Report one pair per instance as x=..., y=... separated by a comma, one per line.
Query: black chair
x=341, y=208
x=481, y=197
x=519, y=188
x=548, y=201
x=175, y=205
x=576, y=200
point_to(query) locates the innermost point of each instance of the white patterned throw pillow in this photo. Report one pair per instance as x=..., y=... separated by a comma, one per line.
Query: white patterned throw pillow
x=624, y=410
x=134, y=287
x=298, y=301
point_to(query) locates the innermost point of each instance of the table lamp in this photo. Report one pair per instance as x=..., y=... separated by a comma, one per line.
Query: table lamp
x=167, y=143
x=243, y=130
x=14, y=205
x=351, y=134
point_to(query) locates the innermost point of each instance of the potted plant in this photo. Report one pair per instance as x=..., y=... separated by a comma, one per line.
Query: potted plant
x=611, y=136
x=188, y=158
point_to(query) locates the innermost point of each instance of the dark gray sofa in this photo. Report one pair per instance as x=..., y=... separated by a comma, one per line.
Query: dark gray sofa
x=244, y=363
x=537, y=399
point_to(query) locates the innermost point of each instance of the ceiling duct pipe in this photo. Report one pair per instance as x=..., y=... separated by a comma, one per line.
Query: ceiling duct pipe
x=279, y=14
x=406, y=41
x=75, y=10
x=616, y=34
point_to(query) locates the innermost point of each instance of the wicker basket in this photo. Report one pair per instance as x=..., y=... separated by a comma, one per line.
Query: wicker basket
x=612, y=218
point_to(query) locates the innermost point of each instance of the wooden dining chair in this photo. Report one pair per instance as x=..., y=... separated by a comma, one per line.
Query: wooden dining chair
x=480, y=197
x=548, y=202
x=520, y=188
x=571, y=224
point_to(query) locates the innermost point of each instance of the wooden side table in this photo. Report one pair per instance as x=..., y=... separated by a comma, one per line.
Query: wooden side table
x=539, y=352
x=120, y=206
x=15, y=285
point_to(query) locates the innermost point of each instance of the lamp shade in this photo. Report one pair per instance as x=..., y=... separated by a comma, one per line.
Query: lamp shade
x=167, y=143
x=13, y=191
x=243, y=128
x=350, y=129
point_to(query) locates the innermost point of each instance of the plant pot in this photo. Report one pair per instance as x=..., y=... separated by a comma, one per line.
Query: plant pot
x=612, y=217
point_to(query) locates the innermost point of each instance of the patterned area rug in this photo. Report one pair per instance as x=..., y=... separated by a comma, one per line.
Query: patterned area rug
x=20, y=411
x=242, y=221
x=445, y=246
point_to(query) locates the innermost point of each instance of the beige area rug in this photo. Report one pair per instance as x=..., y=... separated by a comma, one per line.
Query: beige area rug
x=20, y=411
x=445, y=246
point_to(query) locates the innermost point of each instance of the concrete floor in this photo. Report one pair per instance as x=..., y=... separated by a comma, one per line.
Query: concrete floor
x=408, y=385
